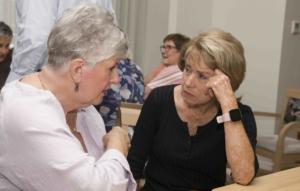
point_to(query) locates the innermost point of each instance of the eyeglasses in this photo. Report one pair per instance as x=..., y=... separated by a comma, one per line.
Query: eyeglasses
x=167, y=47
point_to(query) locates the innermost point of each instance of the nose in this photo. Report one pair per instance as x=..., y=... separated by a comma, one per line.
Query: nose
x=189, y=80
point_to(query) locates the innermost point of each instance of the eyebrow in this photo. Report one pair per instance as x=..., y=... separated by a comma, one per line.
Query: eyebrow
x=169, y=44
x=200, y=71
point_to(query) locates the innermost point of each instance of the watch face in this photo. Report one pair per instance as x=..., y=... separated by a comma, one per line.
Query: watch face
x=235, y=115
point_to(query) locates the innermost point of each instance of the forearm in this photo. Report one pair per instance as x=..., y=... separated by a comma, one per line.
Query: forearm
x=239, y=151
x=240, y=154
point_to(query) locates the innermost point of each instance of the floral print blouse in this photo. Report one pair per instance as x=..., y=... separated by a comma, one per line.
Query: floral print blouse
x=130, y=89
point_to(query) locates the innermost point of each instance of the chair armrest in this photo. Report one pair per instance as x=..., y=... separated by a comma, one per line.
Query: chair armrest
x=266, y=114
x=280, y=142
x=285, y=129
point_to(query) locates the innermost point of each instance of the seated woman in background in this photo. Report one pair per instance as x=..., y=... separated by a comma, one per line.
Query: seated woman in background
x=167, y=72
x=42, y=149
x=130, y=89
x=186, y=134
x=5, y=52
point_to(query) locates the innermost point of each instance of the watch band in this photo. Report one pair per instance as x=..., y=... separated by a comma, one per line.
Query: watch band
x=223, y=118
x=232, y=115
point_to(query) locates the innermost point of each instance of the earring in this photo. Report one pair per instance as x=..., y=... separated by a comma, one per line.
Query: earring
x=76, y=88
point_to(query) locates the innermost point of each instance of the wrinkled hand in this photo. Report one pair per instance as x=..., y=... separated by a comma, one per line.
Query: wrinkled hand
x=118, y=139
x=219, y=86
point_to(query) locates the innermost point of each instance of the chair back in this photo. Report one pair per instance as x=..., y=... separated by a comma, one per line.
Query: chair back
x=282, y=149
x=291, y=110
x=128, y=113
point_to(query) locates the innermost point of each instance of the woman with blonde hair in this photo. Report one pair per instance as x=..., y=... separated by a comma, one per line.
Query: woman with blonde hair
x=187, y=134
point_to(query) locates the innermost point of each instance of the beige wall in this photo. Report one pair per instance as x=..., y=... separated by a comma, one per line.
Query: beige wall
x=289, y=75
x=7, y=12
x=260, y=25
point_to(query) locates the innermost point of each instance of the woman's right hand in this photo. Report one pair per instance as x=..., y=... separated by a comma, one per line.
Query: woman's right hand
x=140, y=184
x=118, y=139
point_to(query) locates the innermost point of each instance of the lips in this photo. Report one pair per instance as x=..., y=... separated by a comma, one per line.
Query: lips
x=187, y=93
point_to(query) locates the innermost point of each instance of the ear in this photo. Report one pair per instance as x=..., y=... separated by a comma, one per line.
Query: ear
x=76, y=69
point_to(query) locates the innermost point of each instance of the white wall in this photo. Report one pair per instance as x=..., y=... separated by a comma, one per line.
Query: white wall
x=259, y=26
x=156, y=23
x=290, y=60
x=7, y=13
x=193, y=17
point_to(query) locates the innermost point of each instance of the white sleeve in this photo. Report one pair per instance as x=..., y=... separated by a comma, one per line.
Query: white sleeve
x=34, y=22
x=5, y=185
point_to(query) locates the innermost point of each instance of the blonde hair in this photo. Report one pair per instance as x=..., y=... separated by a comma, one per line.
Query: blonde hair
x=219, y=50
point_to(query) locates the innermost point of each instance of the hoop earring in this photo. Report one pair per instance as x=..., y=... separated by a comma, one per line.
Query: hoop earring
x=76, y=88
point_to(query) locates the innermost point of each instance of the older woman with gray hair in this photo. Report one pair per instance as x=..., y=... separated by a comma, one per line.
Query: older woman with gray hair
x=51, y=138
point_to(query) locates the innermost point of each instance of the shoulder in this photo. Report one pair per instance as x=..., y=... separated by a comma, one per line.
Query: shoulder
x=162, y=93
x=247, y=117
x=245, y=109
x=23, y=104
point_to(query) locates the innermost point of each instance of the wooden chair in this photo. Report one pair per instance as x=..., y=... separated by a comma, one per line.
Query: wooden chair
x=283, y=150
x=128, y=113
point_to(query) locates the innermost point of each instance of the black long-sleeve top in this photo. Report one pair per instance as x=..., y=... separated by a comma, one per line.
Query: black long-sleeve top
x=173, y=159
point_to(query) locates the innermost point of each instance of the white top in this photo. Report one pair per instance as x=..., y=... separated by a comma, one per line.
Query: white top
x=34, y=21
x=38, y=152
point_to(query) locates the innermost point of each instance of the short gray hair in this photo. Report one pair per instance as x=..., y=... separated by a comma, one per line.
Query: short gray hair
x=86, y=31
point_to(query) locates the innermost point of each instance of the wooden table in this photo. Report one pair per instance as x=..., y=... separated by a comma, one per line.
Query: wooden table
x=287, y=180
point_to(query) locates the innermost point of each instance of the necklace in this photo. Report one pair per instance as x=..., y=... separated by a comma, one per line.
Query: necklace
x=71, y=121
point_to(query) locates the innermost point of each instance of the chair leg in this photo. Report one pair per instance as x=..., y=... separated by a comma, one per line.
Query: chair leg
x=277, y=162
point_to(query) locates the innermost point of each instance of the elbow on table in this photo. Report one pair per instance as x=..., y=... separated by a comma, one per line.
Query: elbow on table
x=244, y=178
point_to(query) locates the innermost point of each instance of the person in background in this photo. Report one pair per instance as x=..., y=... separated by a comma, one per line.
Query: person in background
x=5, y=51
x=187, y=134
x=42, y=146
x=34, y=20
x=167, y=72
x=130, y=89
